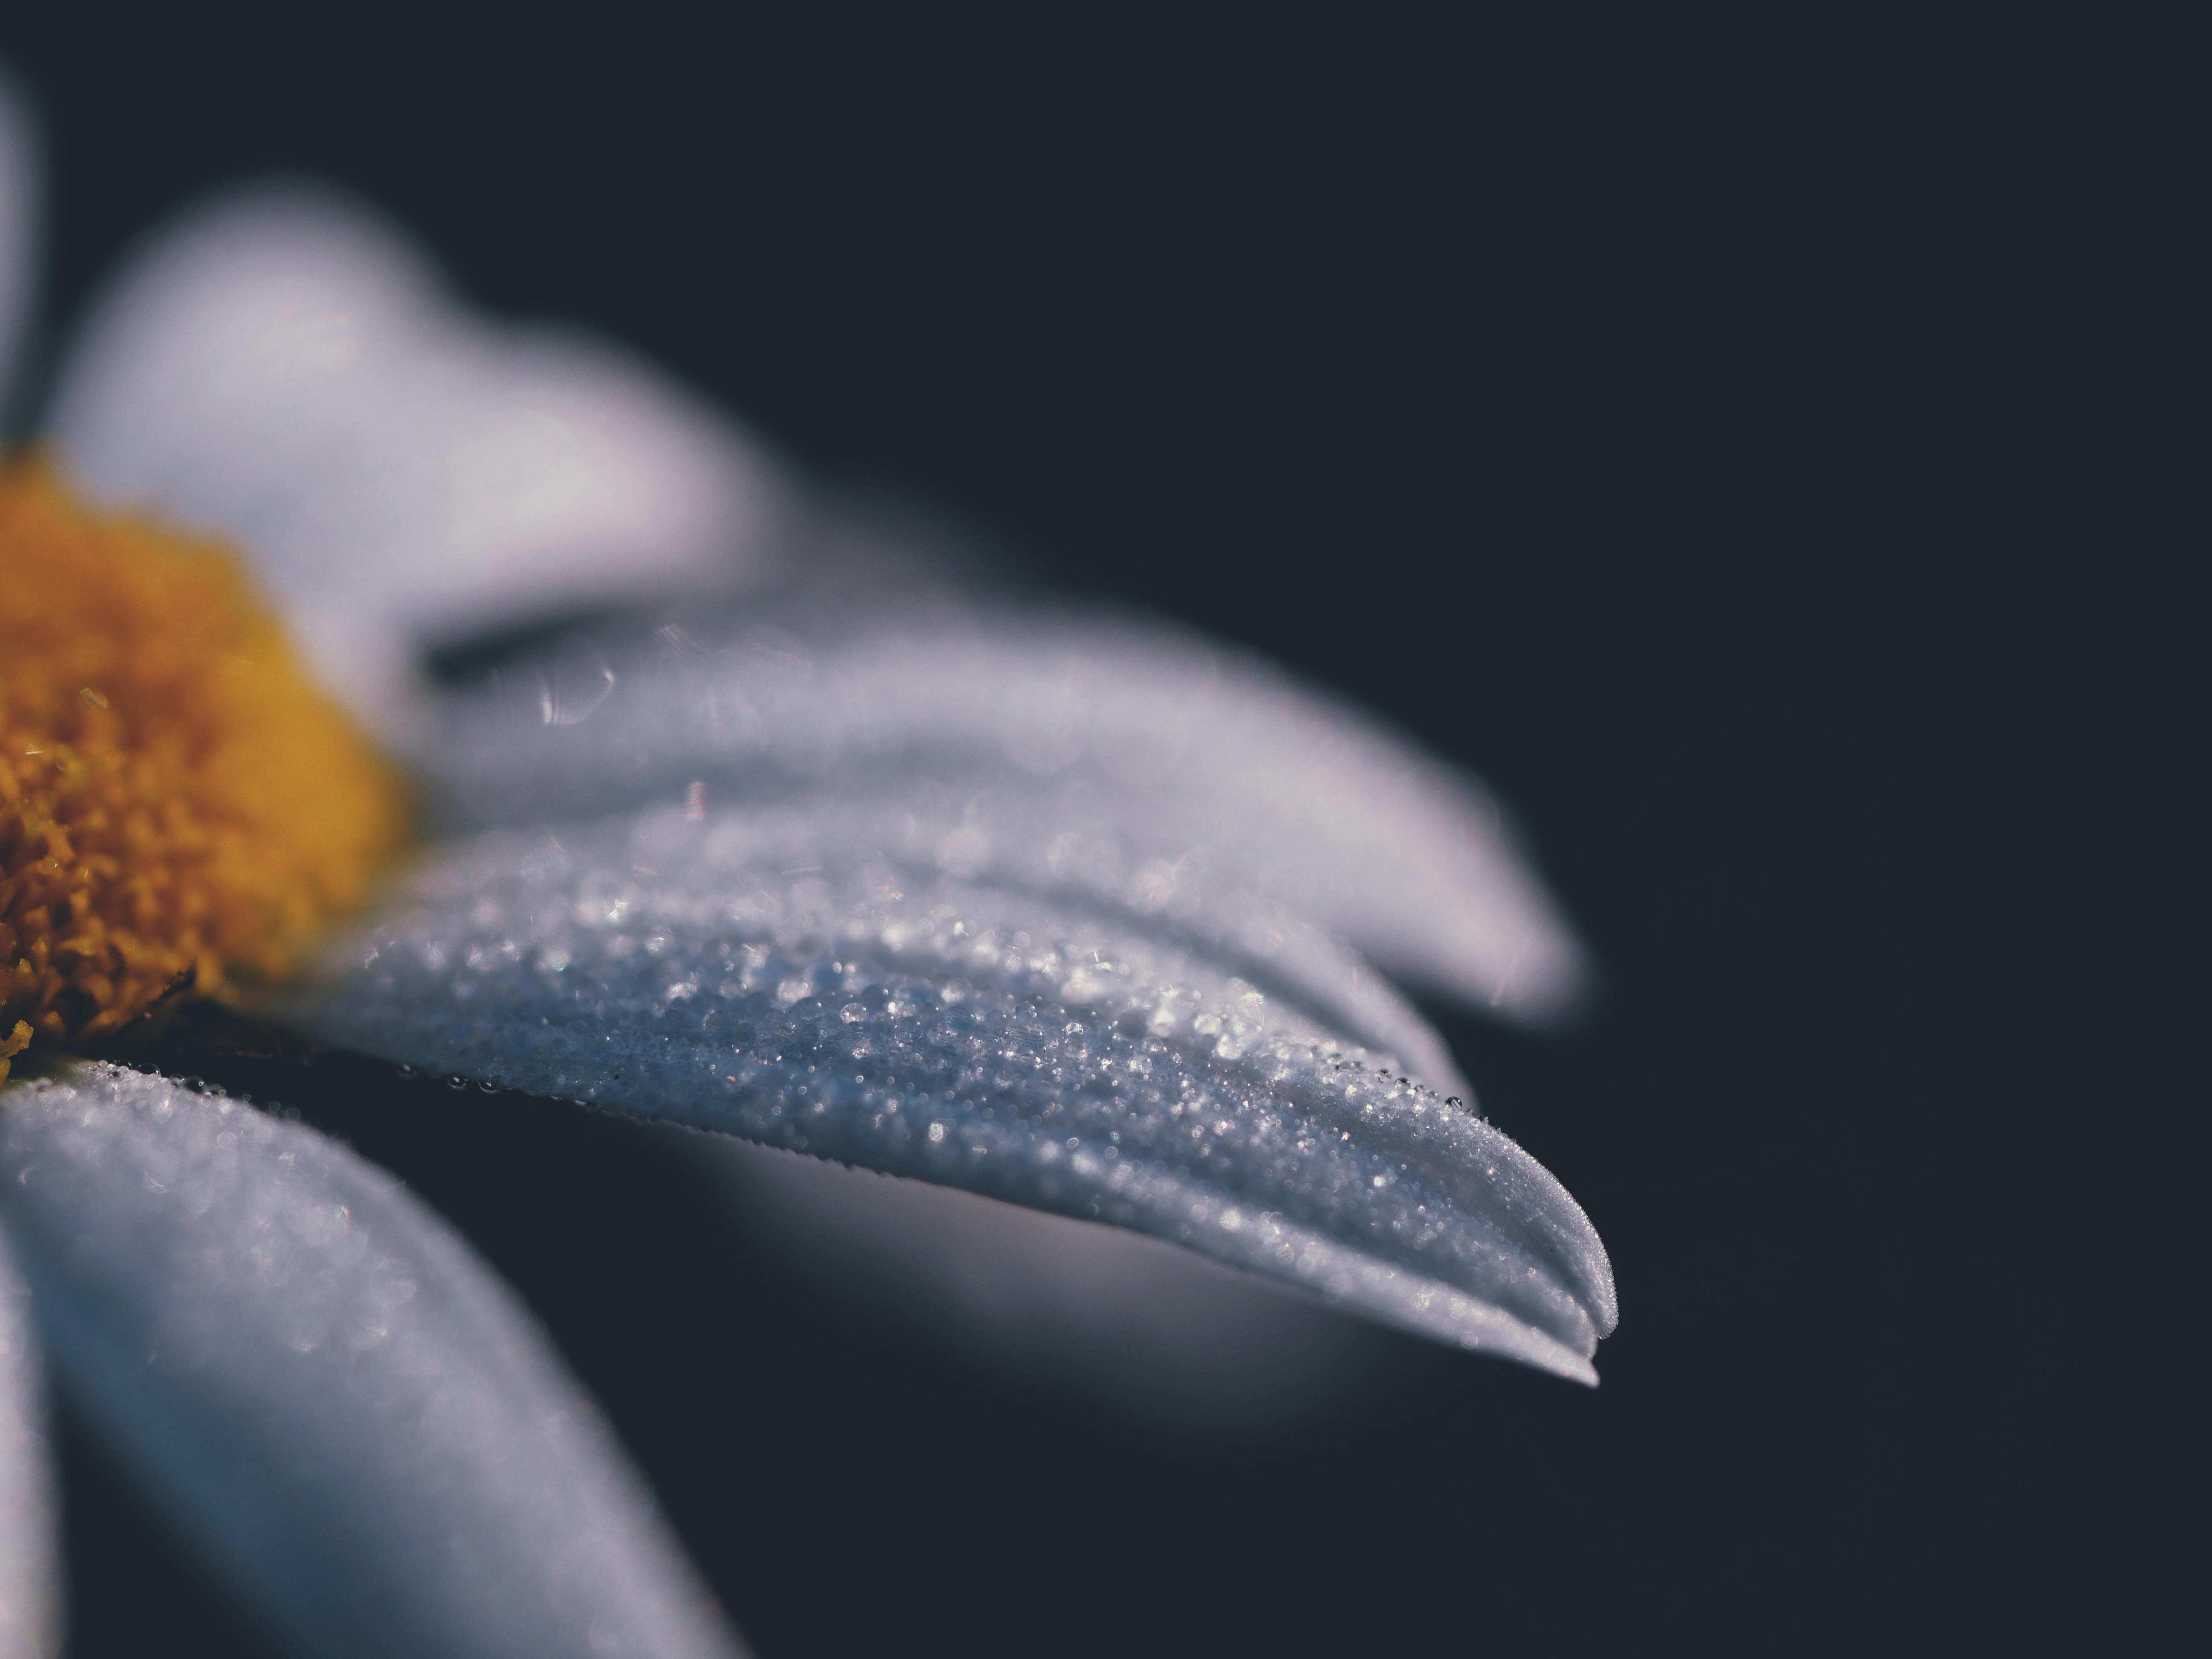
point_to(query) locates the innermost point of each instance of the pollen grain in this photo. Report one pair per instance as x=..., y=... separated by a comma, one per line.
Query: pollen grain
x=180, y=805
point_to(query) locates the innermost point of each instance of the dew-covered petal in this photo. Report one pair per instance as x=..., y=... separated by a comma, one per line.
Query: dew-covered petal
x=1123, y=757
x=1073, y=1058
x=1058, y=848
x=30, y=1597
x=290, y=370
x=330, y=1398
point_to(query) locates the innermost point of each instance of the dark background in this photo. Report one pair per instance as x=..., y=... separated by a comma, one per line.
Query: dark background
x=1708, y=438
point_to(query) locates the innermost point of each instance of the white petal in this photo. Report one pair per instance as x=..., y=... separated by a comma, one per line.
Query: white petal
x=978, y=1035
x=290, y=370
x=30, y=1597
x=333, y=1401
x=19, y=216
x=1122, y=756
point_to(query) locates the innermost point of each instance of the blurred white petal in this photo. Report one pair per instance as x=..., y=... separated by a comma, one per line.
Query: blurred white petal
x=290, y=370
x=19, y=216
x=332, y=1400
x=30, y=1596
x=1132, y=759
x=1068, y=1057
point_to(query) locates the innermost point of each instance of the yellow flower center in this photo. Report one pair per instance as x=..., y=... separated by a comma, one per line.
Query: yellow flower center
x=179, y=803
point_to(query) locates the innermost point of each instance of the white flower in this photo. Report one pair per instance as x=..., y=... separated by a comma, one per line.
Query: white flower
x=805, y=842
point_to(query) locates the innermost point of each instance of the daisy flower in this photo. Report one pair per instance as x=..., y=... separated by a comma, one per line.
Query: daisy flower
x=730, y=808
